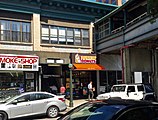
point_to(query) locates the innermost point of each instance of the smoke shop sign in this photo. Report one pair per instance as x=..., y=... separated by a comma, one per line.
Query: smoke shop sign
x=19, y=62
x=85, y=58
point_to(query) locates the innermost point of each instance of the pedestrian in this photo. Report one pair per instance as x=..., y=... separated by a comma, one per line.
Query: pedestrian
x=62, y=89
x=54, y=89
x=90, y=91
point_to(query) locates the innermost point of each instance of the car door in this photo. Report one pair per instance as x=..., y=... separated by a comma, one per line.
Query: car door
x=140, y=91
x=132, y=93
x=20, y=106
x=40, y=103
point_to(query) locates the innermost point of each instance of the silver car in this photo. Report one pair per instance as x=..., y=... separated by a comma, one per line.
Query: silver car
x=32, y=103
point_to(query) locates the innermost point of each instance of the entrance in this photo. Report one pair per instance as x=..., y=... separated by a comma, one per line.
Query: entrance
x=51, y=76
x=80, y=81
x=30, y=81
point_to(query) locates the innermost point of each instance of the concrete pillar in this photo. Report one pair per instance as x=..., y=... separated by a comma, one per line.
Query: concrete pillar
x=155, y=72
x=36, y=32
x=98, y=83
x=91, y=36
x=127, y=67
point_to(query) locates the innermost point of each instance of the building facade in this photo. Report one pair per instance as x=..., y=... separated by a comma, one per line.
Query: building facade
x=114, y=2
x=127, y=37
x=38, y=38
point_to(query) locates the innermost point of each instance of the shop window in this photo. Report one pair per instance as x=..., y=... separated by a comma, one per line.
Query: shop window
x=103, y=78
x=119, y=77
x=111, y=78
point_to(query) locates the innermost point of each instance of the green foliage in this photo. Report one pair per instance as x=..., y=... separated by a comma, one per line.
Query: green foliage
x=152, y=6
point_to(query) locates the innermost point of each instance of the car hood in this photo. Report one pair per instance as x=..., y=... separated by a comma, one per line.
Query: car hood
x=108, y=95
x=2, y=106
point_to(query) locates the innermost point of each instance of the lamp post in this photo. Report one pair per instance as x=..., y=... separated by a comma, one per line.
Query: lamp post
x=71, y=89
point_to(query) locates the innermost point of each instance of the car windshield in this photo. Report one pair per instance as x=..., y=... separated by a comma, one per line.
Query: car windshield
x=118, y=88
x=99, y=111
x=8, y=99
x=149, y=88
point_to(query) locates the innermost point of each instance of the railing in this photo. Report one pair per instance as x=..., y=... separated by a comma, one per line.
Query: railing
x=137, y=19
x=118, y=29
x=127, y=25
x=130, y=23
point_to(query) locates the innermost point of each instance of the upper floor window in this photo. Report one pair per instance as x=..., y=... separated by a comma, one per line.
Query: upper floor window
x=85, y=36
x=15, y=31
x=65, y=36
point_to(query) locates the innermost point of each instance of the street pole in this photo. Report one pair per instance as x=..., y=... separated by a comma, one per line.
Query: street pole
x=71, y=89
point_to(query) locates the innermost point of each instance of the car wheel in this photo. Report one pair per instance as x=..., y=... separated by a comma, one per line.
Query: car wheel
x=52, y=111
x=3, y=116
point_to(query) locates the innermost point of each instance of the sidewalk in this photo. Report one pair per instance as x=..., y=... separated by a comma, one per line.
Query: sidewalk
x=75, y=104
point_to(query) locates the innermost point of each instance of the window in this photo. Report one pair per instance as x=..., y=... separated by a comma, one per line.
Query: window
x=70, y=36
x=5, y=30
x=54, y=35
x=24, y=98
x=113, y=2
x=45, y=34
x=118, y=89
x=95, y=112
x=15, y=31
x=140, y=88
x=131, y=89
x=42, y=96
x=62, y=36
x=26, y=37
x=144, y=113
x=77, y=37
x=85, y=37
x=65, y=36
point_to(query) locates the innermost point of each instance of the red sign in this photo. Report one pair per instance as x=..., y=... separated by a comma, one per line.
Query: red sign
x=19, y=62
x=85, y=58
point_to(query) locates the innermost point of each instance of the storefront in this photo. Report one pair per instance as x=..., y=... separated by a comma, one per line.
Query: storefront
x=85, y=69
x=18, y=73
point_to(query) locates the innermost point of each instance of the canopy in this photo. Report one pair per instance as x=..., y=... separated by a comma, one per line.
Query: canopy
x=88, y=67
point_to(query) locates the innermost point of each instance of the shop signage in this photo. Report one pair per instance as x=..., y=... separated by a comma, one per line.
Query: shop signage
x=85, y=58
x=19, y=62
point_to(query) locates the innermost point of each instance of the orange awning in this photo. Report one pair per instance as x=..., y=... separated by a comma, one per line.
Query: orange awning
x=88, y=67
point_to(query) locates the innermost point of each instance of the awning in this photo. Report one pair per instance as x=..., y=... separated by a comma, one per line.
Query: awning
x=88, y=67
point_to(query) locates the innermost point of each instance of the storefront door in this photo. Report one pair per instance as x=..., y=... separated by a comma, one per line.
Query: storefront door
x=30, y=81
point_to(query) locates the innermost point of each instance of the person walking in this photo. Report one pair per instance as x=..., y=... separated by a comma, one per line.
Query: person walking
x=90, y=91
x=62, y=89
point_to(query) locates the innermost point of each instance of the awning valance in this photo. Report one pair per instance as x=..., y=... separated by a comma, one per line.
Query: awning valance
x=88, y=67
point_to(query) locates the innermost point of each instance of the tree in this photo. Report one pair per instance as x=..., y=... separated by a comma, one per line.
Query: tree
x=152, y=6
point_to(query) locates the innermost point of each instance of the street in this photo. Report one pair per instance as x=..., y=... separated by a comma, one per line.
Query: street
x=75, y=103
x=38, y=118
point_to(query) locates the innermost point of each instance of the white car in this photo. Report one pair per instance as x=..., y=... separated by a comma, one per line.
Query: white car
x=32, y=103
x=130, y=91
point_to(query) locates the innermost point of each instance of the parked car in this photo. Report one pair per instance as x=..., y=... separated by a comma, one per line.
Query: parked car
x=32, y=103
x=130, y=91
x=114, y=109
